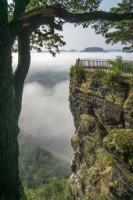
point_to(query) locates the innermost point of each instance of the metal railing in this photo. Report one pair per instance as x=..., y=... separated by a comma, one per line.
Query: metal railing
x=99, y=62
x=103, y=64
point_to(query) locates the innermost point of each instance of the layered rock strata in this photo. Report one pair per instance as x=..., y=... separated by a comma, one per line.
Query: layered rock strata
x=103, y=141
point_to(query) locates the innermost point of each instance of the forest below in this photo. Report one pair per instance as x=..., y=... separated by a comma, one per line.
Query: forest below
x=37, y=163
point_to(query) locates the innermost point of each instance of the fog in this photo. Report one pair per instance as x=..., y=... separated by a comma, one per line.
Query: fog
x=46, y=115
x=45, y=107
x=63, y=61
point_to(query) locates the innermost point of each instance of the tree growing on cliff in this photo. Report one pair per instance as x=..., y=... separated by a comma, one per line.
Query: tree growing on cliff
x=121, y=31
x=32, y=23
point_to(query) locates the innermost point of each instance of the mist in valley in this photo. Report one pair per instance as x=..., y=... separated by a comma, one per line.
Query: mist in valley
x=45, y=107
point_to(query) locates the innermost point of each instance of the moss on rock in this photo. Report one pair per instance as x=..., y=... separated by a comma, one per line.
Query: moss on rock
x=119, y=143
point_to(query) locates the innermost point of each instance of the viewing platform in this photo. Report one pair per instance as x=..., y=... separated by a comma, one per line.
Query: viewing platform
x=103, y=63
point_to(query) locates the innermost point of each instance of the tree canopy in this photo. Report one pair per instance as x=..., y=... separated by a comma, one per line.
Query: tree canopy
x=121, y=31
x=43, y=28
x=44, y=33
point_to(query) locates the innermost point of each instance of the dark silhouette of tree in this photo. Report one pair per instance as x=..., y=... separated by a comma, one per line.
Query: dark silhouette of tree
x=32, y=23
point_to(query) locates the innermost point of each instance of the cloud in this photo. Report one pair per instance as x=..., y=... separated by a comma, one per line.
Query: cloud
x=45, y=110
x=46, y=114
x=63, y=61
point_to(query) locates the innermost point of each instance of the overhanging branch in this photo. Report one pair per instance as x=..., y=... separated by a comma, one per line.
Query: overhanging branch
x=37, y=17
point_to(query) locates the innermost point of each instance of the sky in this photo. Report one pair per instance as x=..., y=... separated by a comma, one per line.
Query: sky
x=79, y=38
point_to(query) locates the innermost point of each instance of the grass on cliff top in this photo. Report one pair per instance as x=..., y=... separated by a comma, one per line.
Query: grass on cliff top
x=77, y=70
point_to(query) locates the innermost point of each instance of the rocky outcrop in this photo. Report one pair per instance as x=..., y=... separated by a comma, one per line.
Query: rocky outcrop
x=103, y=141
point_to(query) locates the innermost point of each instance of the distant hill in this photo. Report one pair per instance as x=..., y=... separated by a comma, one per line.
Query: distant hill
x=93, y=49
x=38, y=163
x=90, y=49
x=73, y=50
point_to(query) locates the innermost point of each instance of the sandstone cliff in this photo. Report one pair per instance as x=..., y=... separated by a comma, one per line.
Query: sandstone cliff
x=103, y=141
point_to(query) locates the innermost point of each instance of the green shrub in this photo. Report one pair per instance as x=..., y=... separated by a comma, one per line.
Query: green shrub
x=118, y=67
x=118, y=64
x=99, y=73
x=112, y=78
x=55, y=189
x=130, y=68
x=79, y=70
x=101, y=197
x=85, y=198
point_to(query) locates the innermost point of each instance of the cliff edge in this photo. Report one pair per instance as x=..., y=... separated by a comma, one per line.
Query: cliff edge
x=103, y=141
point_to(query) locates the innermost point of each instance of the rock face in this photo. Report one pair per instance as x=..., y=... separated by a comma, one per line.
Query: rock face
x=103, y=141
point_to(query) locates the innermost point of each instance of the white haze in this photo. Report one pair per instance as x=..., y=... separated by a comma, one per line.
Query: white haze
x=45, y=111
x=63, y=61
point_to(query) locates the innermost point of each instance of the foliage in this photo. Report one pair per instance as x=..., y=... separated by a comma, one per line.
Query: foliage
x=74, y=6
x=53, y=190
x=101, y=197
x=85, y=198
x=98, y=72
x=53, y=41
x=115, y=32
x=37, y=163
x=112, y=78
x=79, y=70
x=118, y=67
x=106, y=156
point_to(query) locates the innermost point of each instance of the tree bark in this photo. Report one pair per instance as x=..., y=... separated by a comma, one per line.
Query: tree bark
x=10, y=185
x=22, y=69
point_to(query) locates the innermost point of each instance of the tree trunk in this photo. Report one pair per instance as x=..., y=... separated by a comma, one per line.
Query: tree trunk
x=9, y=151
x=22, y=69
x=10, y=185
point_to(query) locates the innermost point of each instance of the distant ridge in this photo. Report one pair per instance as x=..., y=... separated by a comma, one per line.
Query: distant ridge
x=93, y=49
x=90, y=49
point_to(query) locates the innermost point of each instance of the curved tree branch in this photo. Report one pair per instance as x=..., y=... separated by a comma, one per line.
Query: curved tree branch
x=22, y=69
x=40, y=16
